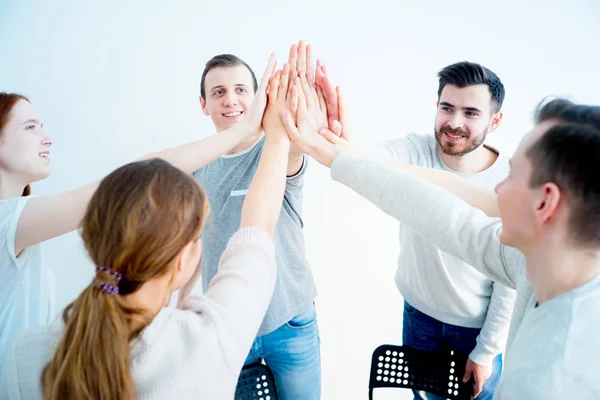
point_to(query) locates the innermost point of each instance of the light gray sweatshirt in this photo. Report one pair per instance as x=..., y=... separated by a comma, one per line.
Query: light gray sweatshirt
x=440, y=285
x=553, y=350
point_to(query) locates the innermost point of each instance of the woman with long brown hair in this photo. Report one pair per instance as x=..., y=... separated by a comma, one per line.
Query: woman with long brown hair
x=142, y=231
x=26, y=284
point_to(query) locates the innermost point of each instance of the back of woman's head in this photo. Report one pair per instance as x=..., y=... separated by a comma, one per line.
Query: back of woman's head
x=7, y=103
x=136, y=225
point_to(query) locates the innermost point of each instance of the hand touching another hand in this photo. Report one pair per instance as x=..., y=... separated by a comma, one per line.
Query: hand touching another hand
x=279, y=98
x=251, y=122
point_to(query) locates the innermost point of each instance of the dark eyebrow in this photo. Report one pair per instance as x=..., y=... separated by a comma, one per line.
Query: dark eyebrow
x=223, y=87
x=474, y=109
x=217, y=87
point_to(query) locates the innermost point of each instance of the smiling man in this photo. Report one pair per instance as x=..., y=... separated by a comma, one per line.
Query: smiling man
x=446, y=304
x=288, y=339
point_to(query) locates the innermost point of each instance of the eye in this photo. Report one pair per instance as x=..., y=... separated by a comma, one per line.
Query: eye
x=471, y=114
x=218, y=92
x=242, y=90
x=447, y=109
x=30, y=127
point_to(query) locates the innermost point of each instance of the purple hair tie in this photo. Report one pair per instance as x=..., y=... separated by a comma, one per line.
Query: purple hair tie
x=108, y=287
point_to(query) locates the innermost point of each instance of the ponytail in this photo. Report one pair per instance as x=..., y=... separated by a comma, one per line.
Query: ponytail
x=91, y=361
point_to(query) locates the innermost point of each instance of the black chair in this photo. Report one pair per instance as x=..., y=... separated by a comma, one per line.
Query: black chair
x=256, y=383
x=437, y=372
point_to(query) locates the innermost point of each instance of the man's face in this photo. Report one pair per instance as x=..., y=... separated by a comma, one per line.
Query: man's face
x=463, y=119
x=517, y=200
x=229, y=94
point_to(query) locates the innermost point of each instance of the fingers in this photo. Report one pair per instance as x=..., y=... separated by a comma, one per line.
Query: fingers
x=337, y=128
x=267, y=75
x=331, y=136
x=301, y=57
x=310, y=67
x=288, y=123
x=302, y=94
x=308, y=94
x=283, y=83
x=293, y=60
x=478, y=387
x=274, y=86
x=294, y=100
x=322, y=103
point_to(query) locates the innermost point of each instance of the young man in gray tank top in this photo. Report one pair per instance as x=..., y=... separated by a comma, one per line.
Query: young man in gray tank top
x=288, y=339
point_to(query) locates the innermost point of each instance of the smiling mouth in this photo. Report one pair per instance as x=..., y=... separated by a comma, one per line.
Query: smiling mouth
x=233, y=114
x=45, y=155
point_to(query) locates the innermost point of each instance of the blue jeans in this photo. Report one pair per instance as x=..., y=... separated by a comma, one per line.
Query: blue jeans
x=426, y=333
x=292, y=353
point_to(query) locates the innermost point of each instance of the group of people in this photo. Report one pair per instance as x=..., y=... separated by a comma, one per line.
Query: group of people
x=507, y=277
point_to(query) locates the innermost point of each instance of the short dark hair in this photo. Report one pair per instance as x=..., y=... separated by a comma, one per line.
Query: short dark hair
x=225, y=60
x=567, y=155
x=463, y=74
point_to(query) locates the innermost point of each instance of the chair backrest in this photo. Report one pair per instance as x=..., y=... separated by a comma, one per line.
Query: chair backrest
x=437, y=372
x=256, y=383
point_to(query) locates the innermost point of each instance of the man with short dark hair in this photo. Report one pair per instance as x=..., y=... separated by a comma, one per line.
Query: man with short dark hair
x=288, y=339
x=546, y=244
x=447, y=305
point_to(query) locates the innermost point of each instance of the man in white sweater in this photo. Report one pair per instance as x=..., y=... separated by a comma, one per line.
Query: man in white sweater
x=546, y=246
x=446, y=304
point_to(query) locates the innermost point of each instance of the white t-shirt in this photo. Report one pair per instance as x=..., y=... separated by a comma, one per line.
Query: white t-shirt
x=196, y=353
x=26, y=284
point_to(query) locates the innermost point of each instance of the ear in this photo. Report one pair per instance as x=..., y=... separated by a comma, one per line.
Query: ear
x=496, y=119
x=203, y=105
x=548, y=204
x=184, y=256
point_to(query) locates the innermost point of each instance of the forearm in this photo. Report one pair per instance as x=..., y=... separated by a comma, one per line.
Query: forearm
x=193, y=156
x=475, y=195
x=263, y=201
x=492, y=338
x=446, y=221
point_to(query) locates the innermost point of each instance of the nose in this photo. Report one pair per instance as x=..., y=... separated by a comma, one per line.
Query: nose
x=47, y=140
x=230, y=99
x=457, y=121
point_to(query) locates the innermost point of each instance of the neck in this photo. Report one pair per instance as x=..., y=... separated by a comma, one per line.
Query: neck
x=477, y=160
x=555, y=268
x=11, y=186
x=151, y=297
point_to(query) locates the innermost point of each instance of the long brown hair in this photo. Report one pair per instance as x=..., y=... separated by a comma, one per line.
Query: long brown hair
x=7, y=102
x=138, y=221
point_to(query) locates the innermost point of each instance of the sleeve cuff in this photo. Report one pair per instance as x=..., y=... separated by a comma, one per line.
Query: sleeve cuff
x=481, y=356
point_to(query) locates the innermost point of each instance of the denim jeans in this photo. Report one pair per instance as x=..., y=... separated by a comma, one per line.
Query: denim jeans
x=426, y=333
x=292, y=353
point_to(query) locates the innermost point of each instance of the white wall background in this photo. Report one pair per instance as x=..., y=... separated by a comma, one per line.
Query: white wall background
x=117, y=79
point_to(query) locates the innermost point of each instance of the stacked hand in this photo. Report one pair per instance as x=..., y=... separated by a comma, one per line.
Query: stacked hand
x=302, y=100
x=251, y=122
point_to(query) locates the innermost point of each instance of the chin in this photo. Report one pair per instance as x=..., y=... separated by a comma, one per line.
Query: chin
x=41, y=175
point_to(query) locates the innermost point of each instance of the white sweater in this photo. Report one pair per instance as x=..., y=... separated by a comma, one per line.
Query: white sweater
x=553, y=351
x=440, y=285
x=196, y=353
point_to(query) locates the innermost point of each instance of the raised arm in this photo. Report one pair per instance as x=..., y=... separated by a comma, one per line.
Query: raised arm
x=327, y=143
x=244, y=285
x=46, y=217
x=445, y=220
